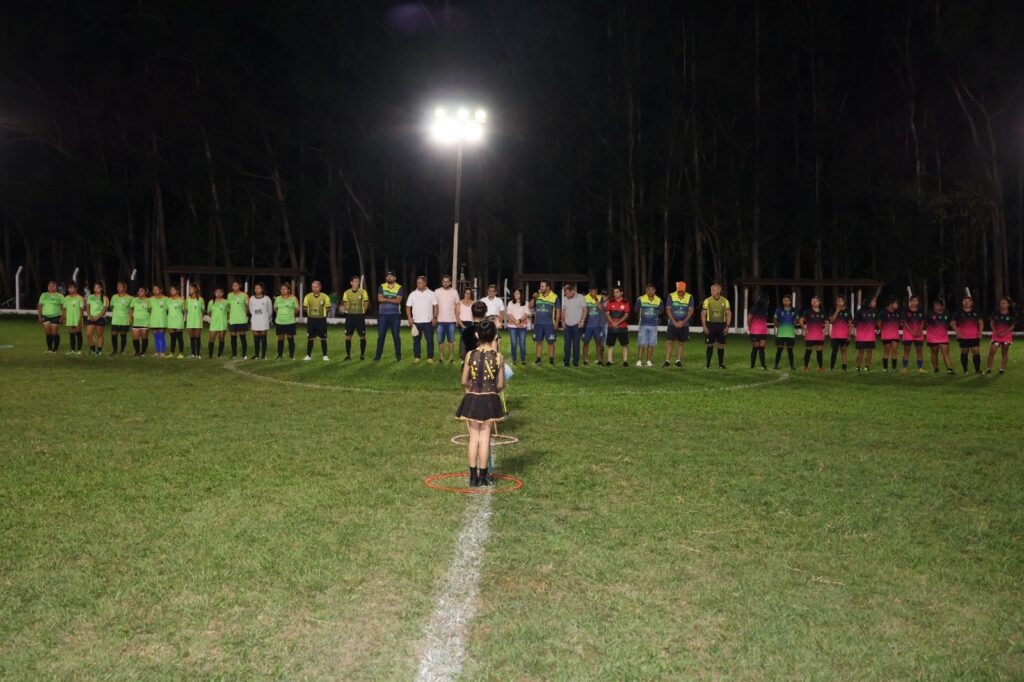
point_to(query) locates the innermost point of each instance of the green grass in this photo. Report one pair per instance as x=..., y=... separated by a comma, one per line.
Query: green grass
x=171, y=518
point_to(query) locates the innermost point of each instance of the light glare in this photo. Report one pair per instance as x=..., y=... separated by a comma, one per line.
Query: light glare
x=458, y=125
x=463, y=113
x=481, y=115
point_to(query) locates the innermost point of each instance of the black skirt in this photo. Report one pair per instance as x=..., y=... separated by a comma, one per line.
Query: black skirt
x=481, y=407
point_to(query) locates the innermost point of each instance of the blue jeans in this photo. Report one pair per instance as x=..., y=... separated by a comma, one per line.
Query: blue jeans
x=648, y=336
x=386, y=323
x=518, y=341
x=445, y=332
x=426, y=330
x=572, y=344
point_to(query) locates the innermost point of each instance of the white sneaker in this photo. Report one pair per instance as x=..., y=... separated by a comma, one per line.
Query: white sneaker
x=639, y=363
x=649, y=364
x=307, y=358
x=326, y=358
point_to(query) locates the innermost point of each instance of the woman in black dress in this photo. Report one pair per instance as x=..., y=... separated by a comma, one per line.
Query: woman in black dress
x=483, y=376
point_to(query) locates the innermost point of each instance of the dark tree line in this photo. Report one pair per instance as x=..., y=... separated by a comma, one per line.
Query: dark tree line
x=632, y=141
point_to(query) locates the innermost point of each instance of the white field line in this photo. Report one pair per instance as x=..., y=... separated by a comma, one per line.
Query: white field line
x=583, y=391
x=456, y=602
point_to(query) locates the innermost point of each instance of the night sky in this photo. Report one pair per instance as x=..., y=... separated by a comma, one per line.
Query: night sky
x=627, y=141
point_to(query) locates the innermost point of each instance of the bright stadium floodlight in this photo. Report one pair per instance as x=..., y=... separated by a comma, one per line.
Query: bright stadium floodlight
x=457, y=129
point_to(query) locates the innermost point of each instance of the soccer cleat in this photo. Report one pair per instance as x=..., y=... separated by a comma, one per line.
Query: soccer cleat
x=639, y=363
x=326, y=359
x=430, y=361
x=922, y=370
x=666, y=364
x=307, y=359
x=181, y=356
x=648, y=364
x=537, y=361
x=1002, y=371
x=347, y=358
x=586, y=363
x=551, y=361
x=625, y=364
x=806, y=370
x=721, y=366
x=821, y=370
x=679, y=363
x=416, y=361
x=988, y=371
x=950, y=372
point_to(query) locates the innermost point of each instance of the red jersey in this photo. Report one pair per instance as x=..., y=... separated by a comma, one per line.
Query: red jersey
x=618, y=312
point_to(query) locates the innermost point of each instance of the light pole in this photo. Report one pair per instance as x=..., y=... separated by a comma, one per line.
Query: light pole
x=459, y=129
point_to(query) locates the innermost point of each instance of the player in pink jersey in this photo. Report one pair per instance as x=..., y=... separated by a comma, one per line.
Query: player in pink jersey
x=839, y=331
x=912, y=322
x=865, y=323
x=813, y=322
x=889, y=324
x=757, y=323
x=1002, y=321
x=936, y=333
x=968, y=325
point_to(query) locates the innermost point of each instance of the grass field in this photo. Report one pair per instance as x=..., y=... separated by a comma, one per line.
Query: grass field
x=165, y=518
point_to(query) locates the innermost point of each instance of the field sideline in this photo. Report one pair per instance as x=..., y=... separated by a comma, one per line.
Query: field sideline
x=170, y=518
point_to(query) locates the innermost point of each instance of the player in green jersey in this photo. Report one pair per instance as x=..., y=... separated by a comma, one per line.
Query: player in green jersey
x=71, y=317
x=195, y=306
x=48, y=310
x=140, y=322
x=176, y=322
x=158, y=320
x=120, y=318
x=238, y=319
x=218, y=310
x=96, y=305
x=285, y=307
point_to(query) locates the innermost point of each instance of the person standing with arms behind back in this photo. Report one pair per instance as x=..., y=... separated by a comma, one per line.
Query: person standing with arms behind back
x=865, y=324
x=447, y=317
x=316, y=304
x=49, y=311
x=140, y=322
x=286, y=306
x=968, y=325
x=261, y=309
x=617, y=312
x=648, y=312
x=176, y=322
x=195, y=307
x=1003, y=320
x=96, y=306
x=238, y=319
x=839, y=332
x=355, y=302
x=545, y=306
x=71, y=317
x=573, y=316
x=679, y=310
x=594, y=329
x=390, y=295
x=120, y=318
x=715, y=316
x=421, y=310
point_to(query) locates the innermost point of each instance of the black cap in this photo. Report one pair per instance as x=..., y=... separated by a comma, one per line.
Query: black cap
x=390, y=273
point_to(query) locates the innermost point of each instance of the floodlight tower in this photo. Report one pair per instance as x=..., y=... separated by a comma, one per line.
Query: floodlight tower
x=457, y=127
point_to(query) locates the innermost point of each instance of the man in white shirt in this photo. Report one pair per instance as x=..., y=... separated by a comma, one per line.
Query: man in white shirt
x=447, y=313
x=421, y=311
x=495, y=306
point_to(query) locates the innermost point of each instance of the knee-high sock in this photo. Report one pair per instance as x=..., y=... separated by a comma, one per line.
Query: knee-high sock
x=753, y=357
x=220, y=348
x=265, y=340
x=71, y=341
x=778, y=356
x=323, y=346
x=963, y=361
x=49, y=342
x=280, y=347
x=56, y=341
x=291, y=347
x=760, y=356
x=721, y=356
x=710, y=352
x=309, y=346
x=832, y=360
x=245, y=344
x=819, y=355
x=145, y=344
x=977, y=362
x=348, y=347
x=807, y=358
x=789, y=355
x=79, y=335
x=234, y=345
x=362, y=348
x=137, y=345
x=210, y=348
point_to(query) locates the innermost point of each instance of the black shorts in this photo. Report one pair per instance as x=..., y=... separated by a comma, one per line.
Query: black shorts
x=55, y=319
x=119, y=328
x=243, y=327
x=316, y=327
x=678, y=333
x=917, y=343
x=969, y=343
x=813, y=342
x=617, y=336
x=355, y=324
x=785, y=341
x=100, y=322
x=936, y=344
x=758, y=338
x=285, y=329
x=865, y=345
x=840, y=343
x=716, y=333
